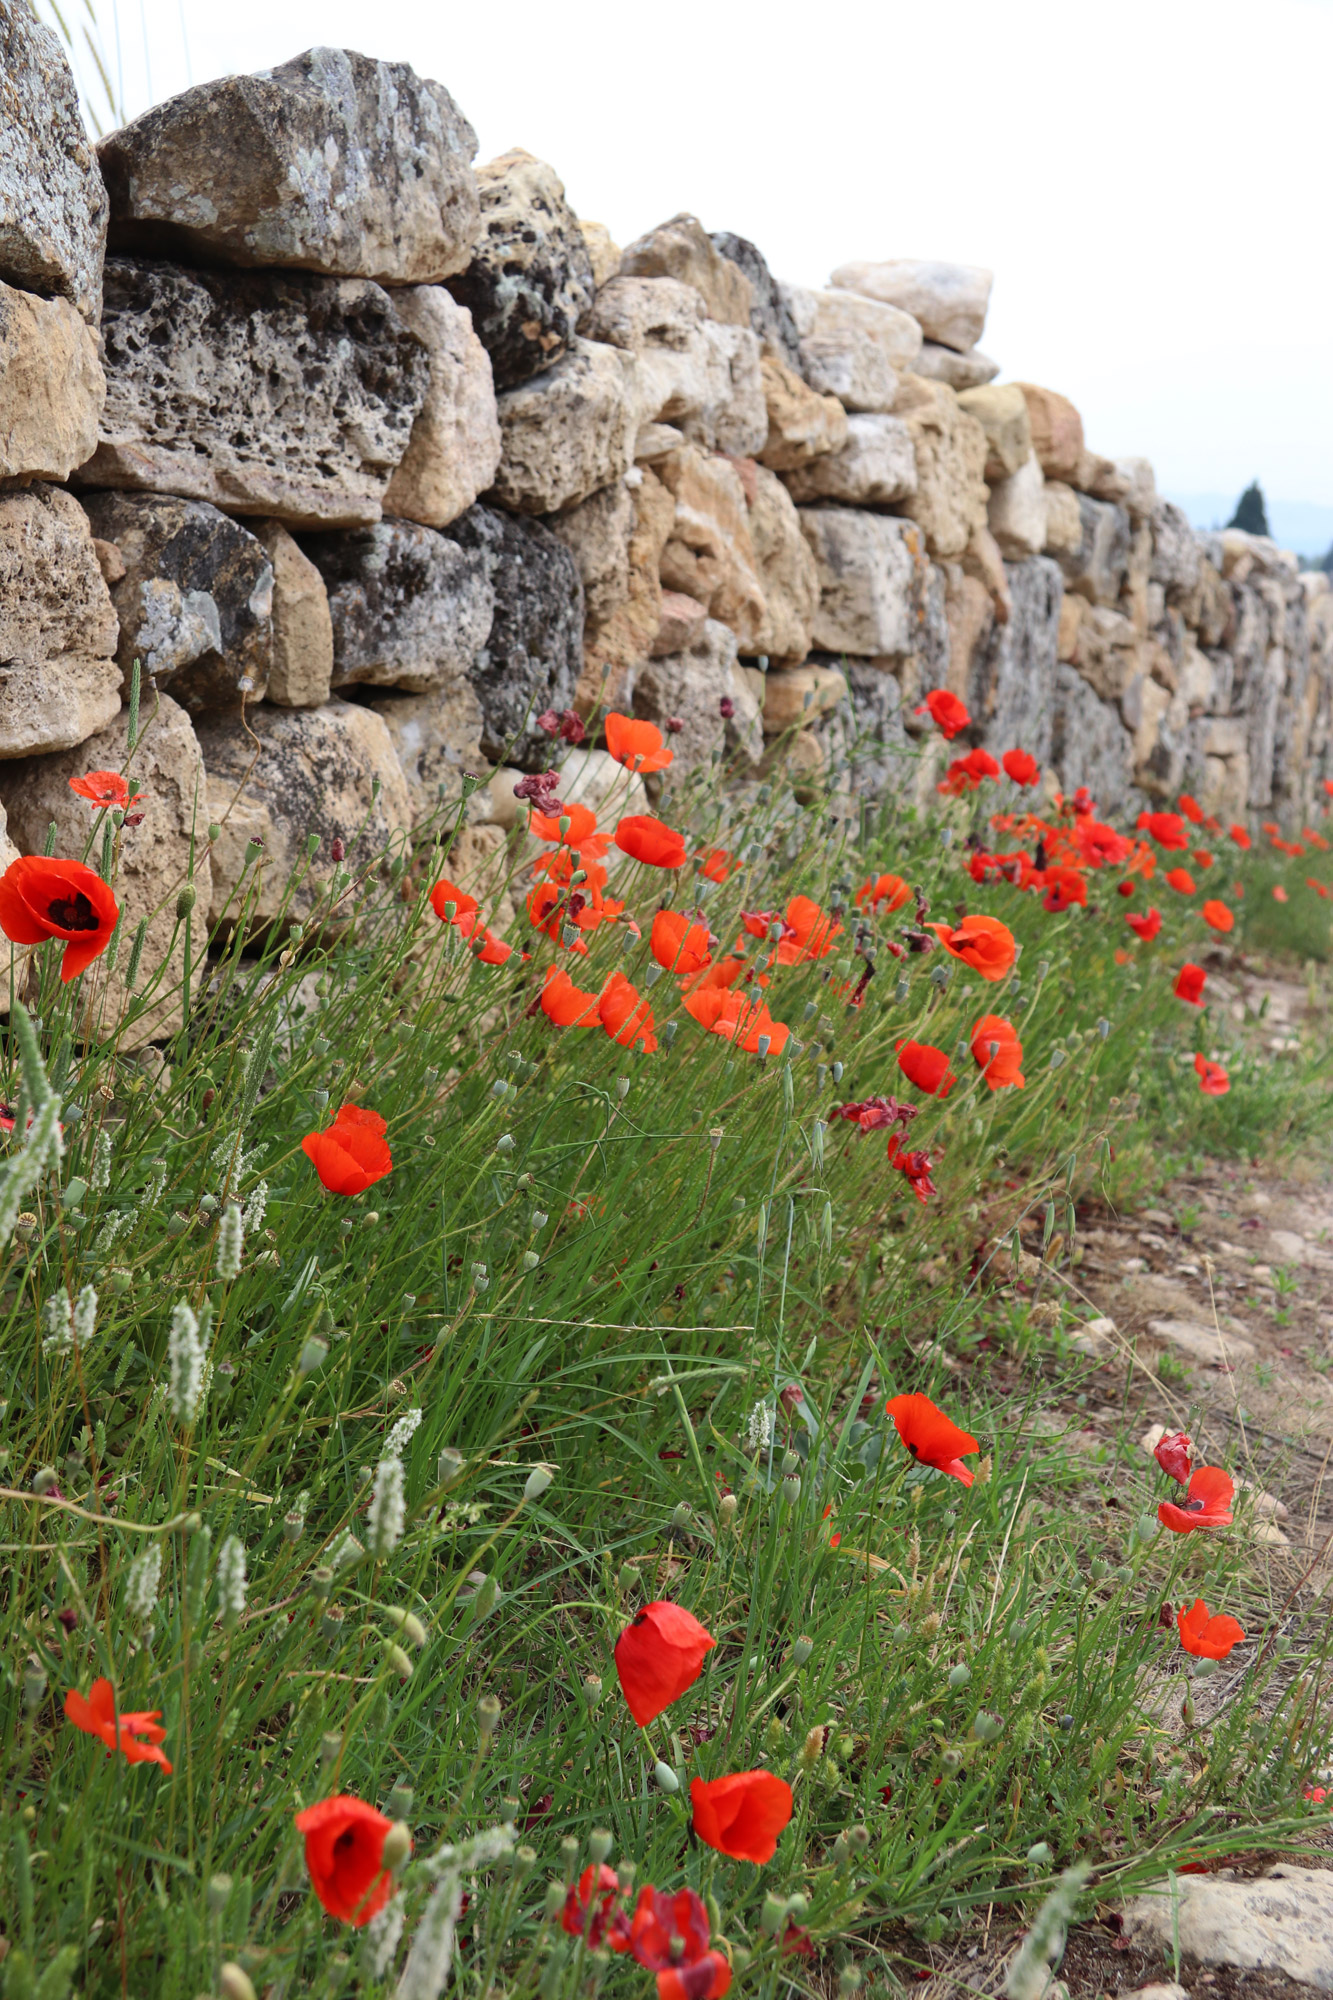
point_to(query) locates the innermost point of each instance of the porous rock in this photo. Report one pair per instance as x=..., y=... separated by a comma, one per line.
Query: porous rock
x=948, y=301
x=567, y=431
x=869, y=575
x=710, y=554
x=949, y=502
x=798, y=696
x=628, y=635
x=603, y=250
x=301, y=663
x=154, y=855
x=410, y=608
x=1280, y=1922
x=597, y=534
x=1002, y=412
x=1106, y=650
x=314, y=774
x=787, y=572
x=960, y=371
x=329, y=163
x=770, y=312
x=682, y=248
x=874, y=468
x=802, y=425
x=273, y=394
x=689, y=687
x=1057, y=431
x=59, y=682
x=196, y=601
x=532, y=659
x=1016, y=511
x=51, y=386
x=53, y=204
x=1064, y=523
x=437, y=740
x=850, y=367
x=690, y=371
x=454, y=449
x=845, y=313
x=530, y=276
x=683, y=619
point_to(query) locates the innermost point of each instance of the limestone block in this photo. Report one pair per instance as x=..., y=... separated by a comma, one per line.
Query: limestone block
x=1011, y=689
x=302, y=658
x=868, y=576
x=604, y=253
x=710, y=554
x=410, y=608
x=1214, y=609
x=689, y=687
x=531, y=661
x=734, y=417
x=683, y=619
x=950, y=498
x=801, y=424
x=597, y=534
x=948, y=301
x=787, y=573
x=874, y=468
x=1224, y=736
x=1016, y=512
x=982, y=559
x=1064, y=523
x=1280, y=1922
x=970, y=615
x=1147, y=709
x=264, y=393
x=795, y=697
x=691, y=371
x=530, y=275
x=593, y=778
x=53, y=204
x=682, y=248
x=960, y=371
x=770, y=314
x=436, y=738
x=155, y=855
x=613, y=646
x=314, y=773
x=850, y=367
x=842, y=312
x=1176, y=551
x=1107, y=651
x=1002, y=413
x=1225, y=789
x=1140, y=496
x=329, y=163
x=1057, y=432
x=51, y=385
x=196, y=601
x=1097, y=568
x=57, y=626
x=454, y=450
x=1089, y=743
x=567, y=431
x=1100, y=477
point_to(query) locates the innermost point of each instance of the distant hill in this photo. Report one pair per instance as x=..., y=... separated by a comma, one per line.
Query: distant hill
x=1302, y=525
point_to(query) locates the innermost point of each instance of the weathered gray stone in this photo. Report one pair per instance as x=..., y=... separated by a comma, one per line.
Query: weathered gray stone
x=329, y=163
x=598, y=533
x=788, y=575
x=948, y=301
x=51, y=386
x=690, y=371
x=850, y=367
x=437, y=740
x=603, y=250
x=950, y=498
x=770, y=313
x=533, y=657
x=683, y=619
x=1107, y=651
x=59, y=681
x=801, y=424
x=53, y=205
x=568, y=431
x=614, y=645
x=302, y=657
x=844, y=313
x=530, y=276
x=690, y=688
x=284, y=395
x=1097, y=568
x=1016, y=512
x=1089, y=743
x=1012, y=690
x=196, y=601
x=875, y=467
x=1278, y=1922
x=1176, y=550
x=314, y=773
x=454, y=448
x=683, y=249
x=869, y=574
x=709, y=554
x=410, y=608
x=960, y=371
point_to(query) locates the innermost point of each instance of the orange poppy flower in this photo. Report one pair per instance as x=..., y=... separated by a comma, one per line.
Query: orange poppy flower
x=1121, y=956
x=716, y=863
x=1319, y=888
x=487, y=948
x=737, y=1019
x=626, y=1017
x=1213, y=1079
x=1270, y=827
x=1279, y=894
x=1202, y=858
x=722, y=972
x=42, y=898
x=966, y=774
x=998, y=1053
x=984, y=943
x=1147, y=926
x=1209, y=1636
x=658, y=1657
x=135, y=1733
x=1241, y=837
x=445, y=893
x=650, y=840
x=344, y=1850
x=104, y=788
x=931, y=1437
x=741, y=1815
x=926, y=1067
x=1022, y=768
x=1315, y=839
x=1189, y=984
x=636, y=745
x=1181, y=881
x=565, y=1004
x=948, y=714
x=679, y=945
x=351, y=1154
x=1167, y=829
x=808, y=932
x=1191, y=808
x=890, y=890
x=1218, y=917
x=1207, y=1504
x=581, y=829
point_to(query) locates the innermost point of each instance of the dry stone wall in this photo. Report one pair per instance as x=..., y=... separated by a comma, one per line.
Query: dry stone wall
x=373, y=456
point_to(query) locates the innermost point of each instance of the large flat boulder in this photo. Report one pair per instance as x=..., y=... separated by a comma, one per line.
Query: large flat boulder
x=51, y=387
x=410, y=608
x=53, y=205
x=948, y=301
x=57, y=626
x=454, y=449
x=329, y=163
x=530, y=276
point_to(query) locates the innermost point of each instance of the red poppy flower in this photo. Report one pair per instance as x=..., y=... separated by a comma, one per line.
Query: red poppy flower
x=1147, y=926
x=1022, y=768
x=678, y=944
x=1125, y=888
x=669, y=1936
x=998, y=1053
x=946, y=712
x=1065, y=888
x=487, y=948
x=446, y=892
x=1202, y=858
x=104, y=788
x=1207, y=1636
x=1213, y=1079
x=716, y=863
x=351, y=1154
x=872, y=1112
x=344, y=1848
x=1279, y=896
x=1175, y=1453
x=658, y=1656
x=135, y=1733
x=1167, y=829
x=625, y=1015
x=930, y=1436
x=1241, y=837
x=741, y=1815
x=965, y=774
x=1315, y=839
x=566, y=1004
x=1189, y=985
x=808, y=932
x=1122, y=957
x=1207, y=1504
x=591, y=1910
x=737, y=1019
x=890, y=890
x=1181, y=881
x=913, y=1166
x=1318, y=887
x=984, y=943
x=1217, y=916
x=41, y=899
x=650, y=840
x=1191, y=808
x=582, y=826
x=926, y=1067
x=637, y=745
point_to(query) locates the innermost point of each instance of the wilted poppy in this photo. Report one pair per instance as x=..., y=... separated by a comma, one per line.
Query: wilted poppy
x=1175, y=1454
x=42, y=898
x=1279, y=895
x=447, y=894
x=1181, y=881
x=626, y=1016
x=636, y=745
x=1189, y=985
x=926, y=1067
x=1209, y=1636
x=678, y=944
x=104, y=788
x=1147, y=926
x=1021, y=767
x=889, y=890
x=741, y=1815
x=135, y=1733
x=1206, y=1505
x=930, y=1436
x=946, y=712
x=1213, y=1079
x=1167, y=829
x=566, y=1004
x=658, y=1657
x=913, y=1165
x=351, y=1154
x=592, y=1909
x=1217, y=916
x=998, y=1052
x=984, y=943
x=344, y=1849
x=650, y=840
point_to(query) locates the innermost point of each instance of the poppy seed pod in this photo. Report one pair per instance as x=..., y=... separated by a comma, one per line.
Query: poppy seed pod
x=314, y=1353
x=801, y=1650
x=488, y=1717
x=665, y=1778
x=399, y=1801
x=397, y=1846
x=791, y=1488
x=540, y=1477
x=772, y=1916
x=727, y=1508
x=591, y=1689
x=554, y=1901
x=235, y=1983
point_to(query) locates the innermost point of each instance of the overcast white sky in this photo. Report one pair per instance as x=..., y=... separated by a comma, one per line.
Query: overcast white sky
x=1148, y=180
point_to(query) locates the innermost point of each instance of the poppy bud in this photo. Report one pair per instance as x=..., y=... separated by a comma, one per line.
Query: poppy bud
x=569, y=1858
x=397, y=1847
x=665, y=1778
x=554, y=1901
x=592, y=1692
x=858, y=1838
x=960, y=1675
x=450, y=1466
x=801, y=1650
x=849, y=1981
x=772, y=1916
x=505, y=1143
x=44, y=1479
x=530, y=1260
x=798, y=1906
x=337, y=848
x=727, y=1508
x=599, y=1845
x=488, y=1715
x=186, y=901
x=538, y=1480
x=314, y=1353
x=1040, y=1855
x=628, y=1578
x=399, y=1802
x=395, y=1657
x=235, y=1983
